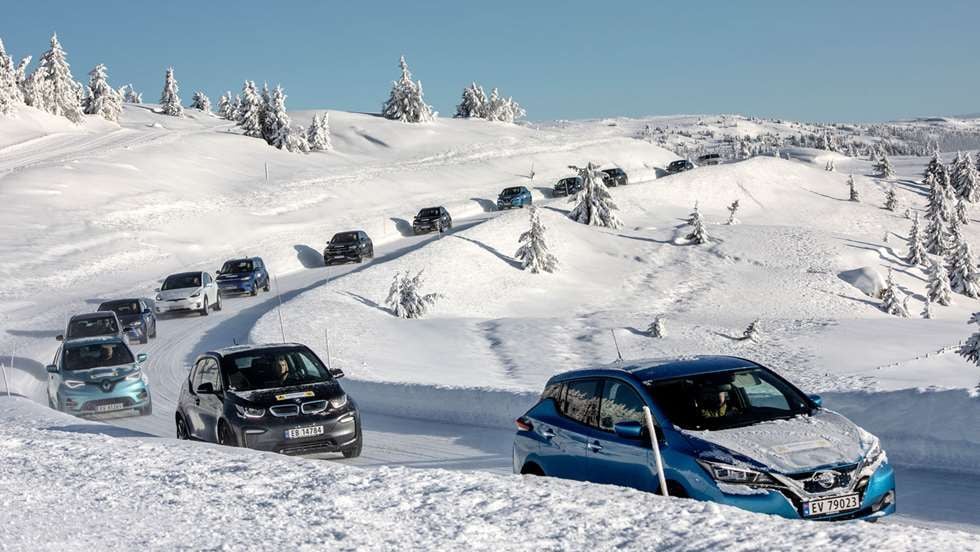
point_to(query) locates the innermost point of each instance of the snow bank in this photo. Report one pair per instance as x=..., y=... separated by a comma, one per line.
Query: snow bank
x=126, y=492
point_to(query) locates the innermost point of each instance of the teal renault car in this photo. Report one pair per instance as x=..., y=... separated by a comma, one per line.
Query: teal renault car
x=98, y=375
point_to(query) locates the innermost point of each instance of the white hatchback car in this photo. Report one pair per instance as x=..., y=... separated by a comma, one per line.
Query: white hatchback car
x=188, y=291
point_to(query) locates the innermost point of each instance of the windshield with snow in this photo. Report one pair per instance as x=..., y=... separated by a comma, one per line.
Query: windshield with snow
x=97, y=355
x=726, y=400
x=241, y=266
x=182, y=281
x=270, y=369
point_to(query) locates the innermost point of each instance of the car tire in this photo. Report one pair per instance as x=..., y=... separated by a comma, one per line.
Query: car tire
x=154, y=334
x=267, y=288
x=182, y=433
x=226, y=437
x=217, y=302
x=255, y=291
x=204, y=308
x=360, y=259
x=354, y=450
x=532, y=469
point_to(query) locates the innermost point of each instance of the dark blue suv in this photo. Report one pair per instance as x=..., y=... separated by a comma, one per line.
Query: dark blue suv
x=729, y=430
x=515, y=196
x=246, y=275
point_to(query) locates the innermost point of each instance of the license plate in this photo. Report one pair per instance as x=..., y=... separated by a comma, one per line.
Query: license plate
x=831, y=505
x=108, y=407
x=300, y=432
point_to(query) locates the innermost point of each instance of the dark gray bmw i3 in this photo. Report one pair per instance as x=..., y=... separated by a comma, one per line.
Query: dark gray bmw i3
x=277, y=397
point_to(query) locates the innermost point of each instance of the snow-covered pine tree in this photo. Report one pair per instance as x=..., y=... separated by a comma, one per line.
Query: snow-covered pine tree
x=595, y=205
x=505, y=110
x=891, y=199
x=533, y=252
x=694, y=215
x=226, y=108
x=102, y=99
x=927, y=309
x=130, y=95
x=963, y=274
x=169, y=100
x=265, y=109
x=473, y=104
x=938, y=289
x=277, y=122
x=883, y=167
x=698, y=235
x=959, y=212
x=405, y=297
x=406, y=101
x=201, y=102
x=936, y=240
x=318, y=134
x=853, y=190
x=20, y=74
x=971, y=349
x=249, y=110
x=932, y=168
x=967, y=184
x=917, y=251
x=752, y=332
x=657, y=328
x=296, y=140
x=52, y=87
x=732, y=210
x=890, y=300
x=10, y=93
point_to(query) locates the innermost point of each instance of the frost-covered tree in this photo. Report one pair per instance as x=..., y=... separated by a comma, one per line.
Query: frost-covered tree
x=533, y=252
x=595, y=205
x=266, y=107
x=732, y=210
x=277, y=123
x=405, y=297
x=883, y=167
x=933, y=167
x=296, y=140
x=52, y=87
x=938, y=289
x=853, y=190
x=917, y=252
x=169, y=100
x=890, y=299
x=753, y=332
x=959, y=212
x=964, y=276
x=406, y=101
x=502, y=109
x=249, y=111
x=226, y=106
x=891, y=199
x=698, y=235
x=657, y=328
x=927, y=309
x=937, y=213
x=971, y=349
x=473, y=104
x=967, y=183
x=201, y=102
x=318, y=135
x=102, y=99
x=130, y=95
x=10, y=93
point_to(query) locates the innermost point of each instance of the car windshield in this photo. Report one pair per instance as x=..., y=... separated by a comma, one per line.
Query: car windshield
x=122, y=308
x=92, y=327
x=241, y=266
x=344, y=237
x=96, y=355
x=429, y=213
x=271, y=369
x=182, y=281
x=678, y=163
x=510, y=191
x=726, y=400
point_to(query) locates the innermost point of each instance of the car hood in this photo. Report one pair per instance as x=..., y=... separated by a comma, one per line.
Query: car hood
x=101, y=373
x=264, y=398
x=787, y=446
x=235, y=276
x=182, y=293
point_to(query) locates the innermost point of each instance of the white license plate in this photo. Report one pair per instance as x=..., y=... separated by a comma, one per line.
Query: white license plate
x=300, y=432
x=831, y=505
x=108, y=407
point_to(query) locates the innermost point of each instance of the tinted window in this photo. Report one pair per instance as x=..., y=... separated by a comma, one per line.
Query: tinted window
x=92, y=327
x=97, y=355
x=344, y=237
x=429, y=212
x=240, y=266
x=207, y=372
x=272, y=368
x=122, y=307
x=582, y=401
x=620, y=403
x=553, y=391
x=258, y=263
x=181, y=281
x=511, y=191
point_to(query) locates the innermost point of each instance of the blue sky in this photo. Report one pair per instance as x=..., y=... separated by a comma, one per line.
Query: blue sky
x=816, y=60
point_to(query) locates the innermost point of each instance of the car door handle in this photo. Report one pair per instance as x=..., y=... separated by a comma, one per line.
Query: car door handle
x=594, y=446
x=547, y=433
x=197, y=401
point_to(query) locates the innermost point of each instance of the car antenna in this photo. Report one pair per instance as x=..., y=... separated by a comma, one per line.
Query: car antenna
x=326, y=343
x=619, y=354
x=234, y=340
x=282, y=328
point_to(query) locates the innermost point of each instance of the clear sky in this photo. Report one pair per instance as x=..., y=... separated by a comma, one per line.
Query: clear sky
x=817, y=60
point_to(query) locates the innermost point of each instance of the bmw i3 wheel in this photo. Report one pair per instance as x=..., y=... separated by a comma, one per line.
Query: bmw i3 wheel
x=182, y=432
x=354, y=450
x=225, y=436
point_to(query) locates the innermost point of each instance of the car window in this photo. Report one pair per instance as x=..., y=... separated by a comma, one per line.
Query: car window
x=92, y=327
x=121, y=307
x=239, y=266
x=270, y=369
x=553, y=392
x=97, y=355
x=582, y=401
x=208, y=372
x=181, y=281
x=620, y=403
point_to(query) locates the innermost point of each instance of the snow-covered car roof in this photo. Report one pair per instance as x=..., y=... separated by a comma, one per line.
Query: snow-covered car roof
x=663, y=368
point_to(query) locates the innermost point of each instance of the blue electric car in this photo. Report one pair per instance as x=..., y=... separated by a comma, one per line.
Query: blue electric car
x=515, y=196
x=98, y=375
x=729, y=430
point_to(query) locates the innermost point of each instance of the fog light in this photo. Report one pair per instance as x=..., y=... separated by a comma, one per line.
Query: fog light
x=345, y=419
x=142, y=395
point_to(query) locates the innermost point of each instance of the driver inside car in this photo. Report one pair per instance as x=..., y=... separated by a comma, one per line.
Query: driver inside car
x=715, y=403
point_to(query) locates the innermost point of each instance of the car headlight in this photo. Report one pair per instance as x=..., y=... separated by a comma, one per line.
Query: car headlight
x=874, y=453
x=196, y=293
x=246, y=412
x=136, y=323
x=74, y=384
x=726, y=473
x=138, y=374
x=159, y=297
x=338, y=402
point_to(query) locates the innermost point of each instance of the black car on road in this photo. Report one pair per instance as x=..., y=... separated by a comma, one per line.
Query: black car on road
x=710, y=159
x=345, y=247
x=615, y=177
x=246, y=275
x=278, y=397
x=432, y=219
x=567, y=186
x=135, y=316
x=678, y=166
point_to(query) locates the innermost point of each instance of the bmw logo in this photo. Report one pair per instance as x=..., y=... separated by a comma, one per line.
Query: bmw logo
x=826, y=479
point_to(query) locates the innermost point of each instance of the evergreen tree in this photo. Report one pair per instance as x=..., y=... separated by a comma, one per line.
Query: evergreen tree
x=959, y=213
x=853, y=191
x=406, y=102
x=967, y=182
x=249, y=109
x=890, y=301
x=265, y=108
x=226, y=107
x=473, y=104
x=318, y=134
x=277, y=122
x=502, y=109
x=891, y=199
x=933, y=167
x=732, y=209
x=656, y=328
x=130, y=95
x=10, y=93
x=917, y=251
x=296, y=140
x=102, y=99
x=52, y=87
x=927, y=309
x=201, y=102
x=963, y=274
x=883, y=167
x=533, y=252
x=971, y=349
x=698, y=235
x=937, y=214
x=595, y=205
x=169, y=100
x=938, y=287
x=405, y=298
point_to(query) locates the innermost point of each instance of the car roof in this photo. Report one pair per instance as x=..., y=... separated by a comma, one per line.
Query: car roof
x=657, y=369
x=233, y=349
x=96, y=340
x=92, y=315
x=192, y=273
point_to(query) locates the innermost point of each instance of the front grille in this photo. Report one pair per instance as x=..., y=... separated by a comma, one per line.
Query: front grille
x=314, y=407
x=842, y=479
x=285, y=410
x=91, y=406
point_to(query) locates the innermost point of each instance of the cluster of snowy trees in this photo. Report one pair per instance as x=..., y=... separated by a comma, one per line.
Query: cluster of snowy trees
x=476, y=105
x=262, y=114
x=406, y=102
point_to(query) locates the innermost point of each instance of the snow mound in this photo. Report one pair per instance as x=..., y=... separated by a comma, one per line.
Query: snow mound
x=868, y=279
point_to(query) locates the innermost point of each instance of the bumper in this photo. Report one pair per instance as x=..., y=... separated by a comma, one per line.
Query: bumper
x=347, y=255
x=509, y=204
x=339, y=432
x=236, y=286
x=420, y=228
x=93, y=403
x=191, y=304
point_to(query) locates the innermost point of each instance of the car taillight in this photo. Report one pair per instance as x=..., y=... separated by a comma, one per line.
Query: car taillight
x=523, y=424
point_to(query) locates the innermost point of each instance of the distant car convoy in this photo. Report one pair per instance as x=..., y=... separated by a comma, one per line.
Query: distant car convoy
x=713, y=419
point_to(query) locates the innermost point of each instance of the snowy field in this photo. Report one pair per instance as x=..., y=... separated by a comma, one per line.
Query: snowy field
x=94, y=211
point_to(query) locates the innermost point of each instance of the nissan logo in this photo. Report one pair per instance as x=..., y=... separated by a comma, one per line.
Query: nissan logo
x=826, y=479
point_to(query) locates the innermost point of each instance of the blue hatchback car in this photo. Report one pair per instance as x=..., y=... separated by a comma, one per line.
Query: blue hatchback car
x=98, y=375
x=730, y=431
x=515, y=196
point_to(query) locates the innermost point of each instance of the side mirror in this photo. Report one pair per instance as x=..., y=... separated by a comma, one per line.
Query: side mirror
x=141, y=358
x=52, y=368
x=206, y=388
x=629, y=429
x=336, y=373
x=156, y=290
x=60, y=338
x=817, y=400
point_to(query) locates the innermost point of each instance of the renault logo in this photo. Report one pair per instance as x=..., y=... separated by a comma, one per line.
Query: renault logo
x=106, y=385
x=826, y=479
